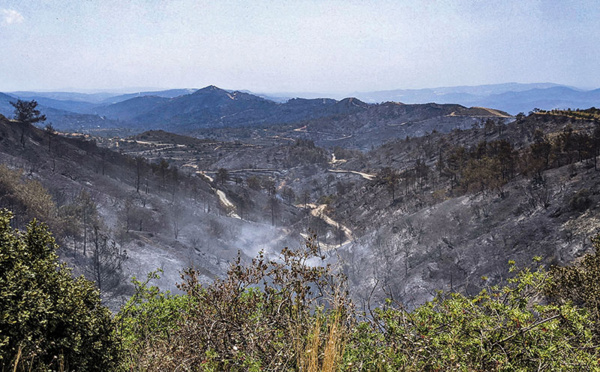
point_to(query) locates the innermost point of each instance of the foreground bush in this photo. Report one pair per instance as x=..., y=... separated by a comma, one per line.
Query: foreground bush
x=288, y=315
x=579, y=283
x=148, y=320
x=48, y=319
x=500, y=329
x=270, y=315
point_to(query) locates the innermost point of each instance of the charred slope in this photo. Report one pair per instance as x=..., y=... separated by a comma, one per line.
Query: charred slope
x=162, y=217
x=455, y=213
x=418, y=247
x=434, y=229
x=373, y=125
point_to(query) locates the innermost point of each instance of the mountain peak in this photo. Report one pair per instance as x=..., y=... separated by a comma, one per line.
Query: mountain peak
x=210, y=88
x=353, y=101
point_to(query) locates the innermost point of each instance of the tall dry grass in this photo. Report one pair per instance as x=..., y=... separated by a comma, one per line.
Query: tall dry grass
x=322, y=352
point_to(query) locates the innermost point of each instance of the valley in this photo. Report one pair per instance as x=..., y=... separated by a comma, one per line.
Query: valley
x=404, y=199
x=386, y=210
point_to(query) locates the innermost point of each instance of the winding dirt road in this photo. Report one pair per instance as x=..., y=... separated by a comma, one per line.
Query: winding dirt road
x=363, y=175
x=318, y=211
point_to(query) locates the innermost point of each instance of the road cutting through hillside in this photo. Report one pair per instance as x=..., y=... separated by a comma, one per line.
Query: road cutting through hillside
x=229, y=206
x=223, y=199
x=204, y=174
x=366, y=176
x=318, y=211
x=335, y=160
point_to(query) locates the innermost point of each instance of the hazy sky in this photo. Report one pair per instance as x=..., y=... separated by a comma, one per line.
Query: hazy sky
x=277, y=45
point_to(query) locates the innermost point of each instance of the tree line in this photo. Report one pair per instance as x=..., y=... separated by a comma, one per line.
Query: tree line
x=488, y=166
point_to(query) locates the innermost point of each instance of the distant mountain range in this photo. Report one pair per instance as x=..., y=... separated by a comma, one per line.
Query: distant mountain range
x=212, y=107
x=62, y=114
x=511, y=97
x=186, y=110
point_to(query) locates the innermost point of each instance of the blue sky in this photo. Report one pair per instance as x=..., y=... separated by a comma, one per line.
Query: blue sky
x=313, y=45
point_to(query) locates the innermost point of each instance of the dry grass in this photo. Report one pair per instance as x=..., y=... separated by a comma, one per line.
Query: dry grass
x=336, y=342
x=322, y=354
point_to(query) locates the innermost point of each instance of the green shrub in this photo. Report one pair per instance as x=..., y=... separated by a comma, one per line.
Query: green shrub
x=500, y=329
x=149, y=318
x=290, y=314
x=579, y=283
x=47, y=318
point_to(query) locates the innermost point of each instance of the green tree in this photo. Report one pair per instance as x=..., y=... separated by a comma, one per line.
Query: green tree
x=26, y=114
x=48, y=319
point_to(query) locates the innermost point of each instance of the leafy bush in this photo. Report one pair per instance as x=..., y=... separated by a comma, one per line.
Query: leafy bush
x=290, y=314
x=47, y=318
x=148, y=319
x=580, y=284
x=500, y=329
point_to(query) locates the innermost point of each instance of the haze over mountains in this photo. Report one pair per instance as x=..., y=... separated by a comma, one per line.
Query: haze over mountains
x=510, y=97
x=366, y=120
